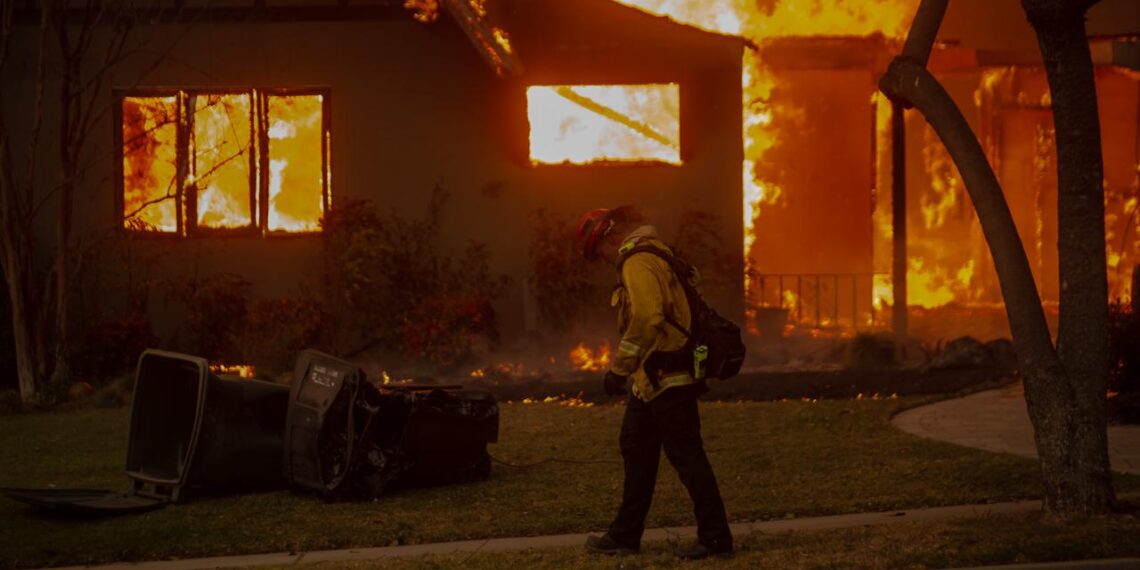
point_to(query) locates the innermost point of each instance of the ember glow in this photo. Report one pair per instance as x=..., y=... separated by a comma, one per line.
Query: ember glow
x=604, y=123
x=582, y=357
x=561, y=400
x=243, y=370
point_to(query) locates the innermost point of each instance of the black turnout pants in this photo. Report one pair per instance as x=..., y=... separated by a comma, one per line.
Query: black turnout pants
x=669, y=421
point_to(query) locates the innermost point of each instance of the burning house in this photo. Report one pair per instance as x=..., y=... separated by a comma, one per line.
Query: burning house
x=225, y=154
x=818, y=191
x=257, y=118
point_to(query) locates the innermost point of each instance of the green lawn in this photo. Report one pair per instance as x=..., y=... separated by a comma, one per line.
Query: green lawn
x=773, y=460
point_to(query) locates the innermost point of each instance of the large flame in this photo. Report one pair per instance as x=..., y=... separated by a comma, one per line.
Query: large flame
x=222, y=148
x=589, y=359
x=767, y=120
x=590, y=123
x=231, y=155
x=150, y=163
x=295, y=184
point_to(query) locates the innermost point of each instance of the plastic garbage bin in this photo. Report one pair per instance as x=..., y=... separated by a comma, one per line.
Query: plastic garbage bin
x=194, y=429
x=347, y=438
x=189, y=429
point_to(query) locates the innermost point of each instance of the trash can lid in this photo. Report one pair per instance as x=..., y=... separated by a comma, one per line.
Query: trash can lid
x=87, y=502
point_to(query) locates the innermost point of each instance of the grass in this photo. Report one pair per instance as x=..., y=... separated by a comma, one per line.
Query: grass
x=945, y=544
x=773, y=460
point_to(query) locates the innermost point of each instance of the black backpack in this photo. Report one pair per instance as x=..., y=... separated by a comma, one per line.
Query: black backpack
x=712, y=335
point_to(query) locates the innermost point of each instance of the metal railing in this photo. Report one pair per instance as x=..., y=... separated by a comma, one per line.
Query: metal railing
x=811, y=290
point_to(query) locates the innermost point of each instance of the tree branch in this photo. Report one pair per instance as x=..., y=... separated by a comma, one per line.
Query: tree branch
x=924, y=30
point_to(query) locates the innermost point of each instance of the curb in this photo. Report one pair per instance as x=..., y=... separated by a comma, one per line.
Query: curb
x=1106, y=564
x=564, y=540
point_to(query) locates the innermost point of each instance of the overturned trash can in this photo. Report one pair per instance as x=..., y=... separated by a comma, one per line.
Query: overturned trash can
x=189, y=430
x=348, y=439
x=194, y=429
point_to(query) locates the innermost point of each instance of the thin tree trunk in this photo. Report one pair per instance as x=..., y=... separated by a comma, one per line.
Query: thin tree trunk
x=23, y=335
x=1072, y=432
x=72, y=51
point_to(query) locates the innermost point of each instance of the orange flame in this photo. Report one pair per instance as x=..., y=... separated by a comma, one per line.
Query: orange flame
x=150, y=164
x=222, y=145
x=243, y=370
x=224, y=161
x=295, y=185
x=561, y=400
x=589, y=123
x=583, y=357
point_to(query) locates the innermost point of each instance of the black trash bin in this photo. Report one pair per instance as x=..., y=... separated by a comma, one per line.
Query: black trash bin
x=194, y=429
x=347, y=438
x=189, y=429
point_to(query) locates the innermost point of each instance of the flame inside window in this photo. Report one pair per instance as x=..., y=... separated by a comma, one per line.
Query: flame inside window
x=218, y=161
x=604, y=123
x=296, y=196
x=150, y=164
x=222, y=146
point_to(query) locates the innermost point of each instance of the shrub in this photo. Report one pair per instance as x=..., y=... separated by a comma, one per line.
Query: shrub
x=110, y=348
x=388, y=284
x=10, y=403
x=870, y=352
x=215, y=310
x=1124, y=362
x=700, y=242
x=560, y=278
x=275, y=330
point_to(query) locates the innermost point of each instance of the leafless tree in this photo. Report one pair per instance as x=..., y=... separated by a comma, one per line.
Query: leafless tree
x=1064, y=383
x=78, y=46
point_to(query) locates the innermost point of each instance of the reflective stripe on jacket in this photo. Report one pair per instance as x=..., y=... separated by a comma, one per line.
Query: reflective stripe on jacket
x=648, y=291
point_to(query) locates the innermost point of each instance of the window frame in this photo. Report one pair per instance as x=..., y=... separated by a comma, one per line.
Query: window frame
x=186, y=196
x=263, y=155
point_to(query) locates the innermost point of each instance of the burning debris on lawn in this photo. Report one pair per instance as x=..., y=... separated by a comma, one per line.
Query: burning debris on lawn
x=561, y=400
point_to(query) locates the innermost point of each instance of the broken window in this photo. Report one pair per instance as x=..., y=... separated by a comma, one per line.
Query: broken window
x=297, y=157
x=249, y=161
x=221, y=179
x=150, y=165
x=582, y=124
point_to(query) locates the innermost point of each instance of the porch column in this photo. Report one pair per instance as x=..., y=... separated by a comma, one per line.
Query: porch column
x=898, y=219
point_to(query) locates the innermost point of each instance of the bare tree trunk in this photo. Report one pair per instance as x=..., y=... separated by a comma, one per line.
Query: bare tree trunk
x=23, y=336
x=61, y=371
x=1072, y=432
x=1070, y=440
x=17, y=245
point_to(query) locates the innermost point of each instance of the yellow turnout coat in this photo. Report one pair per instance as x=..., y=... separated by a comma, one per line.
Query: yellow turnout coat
x=649, y=290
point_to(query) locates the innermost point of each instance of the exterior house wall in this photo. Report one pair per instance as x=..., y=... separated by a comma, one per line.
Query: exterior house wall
x=413, y=106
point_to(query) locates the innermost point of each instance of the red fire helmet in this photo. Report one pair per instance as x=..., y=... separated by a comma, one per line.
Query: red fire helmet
x=592, y=228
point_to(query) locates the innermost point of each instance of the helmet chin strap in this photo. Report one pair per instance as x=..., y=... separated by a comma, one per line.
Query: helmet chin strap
x=609, y=228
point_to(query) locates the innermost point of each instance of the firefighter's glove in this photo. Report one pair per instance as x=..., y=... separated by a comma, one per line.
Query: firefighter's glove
x=614, y=384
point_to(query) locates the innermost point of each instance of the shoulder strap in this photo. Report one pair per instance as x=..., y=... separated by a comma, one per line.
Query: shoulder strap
x=671, y=262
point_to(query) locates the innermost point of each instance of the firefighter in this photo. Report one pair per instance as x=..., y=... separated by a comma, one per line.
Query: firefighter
x=661, y=412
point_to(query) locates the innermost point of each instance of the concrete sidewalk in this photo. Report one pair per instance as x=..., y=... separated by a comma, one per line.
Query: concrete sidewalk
x=997, y=420
x=573, y=540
